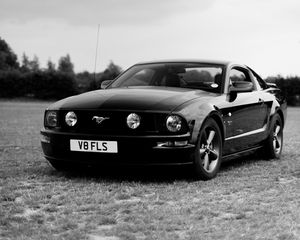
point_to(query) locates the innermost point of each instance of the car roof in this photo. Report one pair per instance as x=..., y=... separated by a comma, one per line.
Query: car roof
x=205, y=61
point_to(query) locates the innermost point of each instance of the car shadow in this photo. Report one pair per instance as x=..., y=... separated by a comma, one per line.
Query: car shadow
x=131, y=173
x=150, y=174
x=238, y=162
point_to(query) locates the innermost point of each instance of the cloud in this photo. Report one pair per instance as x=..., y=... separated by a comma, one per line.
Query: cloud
x=263, y=34
x=104, y=12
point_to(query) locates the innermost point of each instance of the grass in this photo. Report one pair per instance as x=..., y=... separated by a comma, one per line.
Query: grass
x=250, y=199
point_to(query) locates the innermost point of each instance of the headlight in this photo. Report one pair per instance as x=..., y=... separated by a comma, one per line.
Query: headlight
x=174, y=123
x=71, y=119
x=133, y=120
x=51, y=119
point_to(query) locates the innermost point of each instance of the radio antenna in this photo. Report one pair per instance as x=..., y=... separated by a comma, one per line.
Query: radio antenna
x=96, y=55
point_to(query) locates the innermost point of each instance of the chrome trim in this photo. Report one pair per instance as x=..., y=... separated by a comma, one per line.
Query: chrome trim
x=160, y=138
x=247, y=133
x=99, y=120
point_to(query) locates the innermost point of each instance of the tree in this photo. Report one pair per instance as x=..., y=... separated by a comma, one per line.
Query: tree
x=50, y=66
x=34, y=64
x=84, y=80
x=65, y=65
x=25, y=63
x=30, y=65
x=8, y=59
x=112, y=70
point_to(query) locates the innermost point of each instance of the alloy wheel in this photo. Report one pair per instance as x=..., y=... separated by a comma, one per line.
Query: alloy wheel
x=209, y=150
x=277, y=138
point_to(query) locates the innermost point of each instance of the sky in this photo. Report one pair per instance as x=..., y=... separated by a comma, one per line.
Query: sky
x=263, y=34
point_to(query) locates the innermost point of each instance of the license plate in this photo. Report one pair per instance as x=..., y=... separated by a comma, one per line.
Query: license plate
x=93, y=146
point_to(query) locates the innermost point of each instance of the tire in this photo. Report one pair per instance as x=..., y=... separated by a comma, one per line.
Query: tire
x=208, y=151
x=274, y=142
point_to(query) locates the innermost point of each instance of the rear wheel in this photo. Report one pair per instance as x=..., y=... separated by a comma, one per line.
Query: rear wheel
x=208, y=151
x=274, y=142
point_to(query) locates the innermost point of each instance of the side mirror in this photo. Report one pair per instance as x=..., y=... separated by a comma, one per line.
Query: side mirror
x=241, y=86
x=105, y=83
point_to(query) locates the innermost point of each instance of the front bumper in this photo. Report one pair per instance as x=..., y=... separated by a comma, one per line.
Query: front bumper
x=132, y=150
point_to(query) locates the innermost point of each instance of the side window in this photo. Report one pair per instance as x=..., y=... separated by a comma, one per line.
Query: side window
x=261, y=82
x=237, y=76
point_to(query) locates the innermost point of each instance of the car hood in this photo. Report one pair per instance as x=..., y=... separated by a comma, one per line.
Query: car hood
x=132, y=98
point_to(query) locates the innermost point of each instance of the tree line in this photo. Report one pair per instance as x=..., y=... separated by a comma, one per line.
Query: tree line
x=290, y=87
x=28, y=79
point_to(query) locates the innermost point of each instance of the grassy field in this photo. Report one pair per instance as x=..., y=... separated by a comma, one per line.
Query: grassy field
x=250, y=199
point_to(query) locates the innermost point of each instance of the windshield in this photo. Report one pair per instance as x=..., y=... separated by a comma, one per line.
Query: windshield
x=182, y=75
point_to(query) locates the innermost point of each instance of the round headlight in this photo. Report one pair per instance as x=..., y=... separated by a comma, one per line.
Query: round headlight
x=133, y=120
x=71, y=119
x=51, y=119
x=174, y=123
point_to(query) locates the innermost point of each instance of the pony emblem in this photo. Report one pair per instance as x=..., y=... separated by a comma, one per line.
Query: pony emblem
x=99, y=120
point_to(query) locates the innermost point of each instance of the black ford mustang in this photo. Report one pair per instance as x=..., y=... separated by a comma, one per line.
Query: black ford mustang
x=168, y=112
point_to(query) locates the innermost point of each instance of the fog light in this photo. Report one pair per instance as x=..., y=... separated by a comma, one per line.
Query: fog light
x=172, y=144
x=133, y=120
x=51, y=119
x=174, y=123
x=71, y=119
x=181, y=143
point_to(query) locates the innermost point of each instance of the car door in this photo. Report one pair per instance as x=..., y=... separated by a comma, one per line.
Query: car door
x=245, y=116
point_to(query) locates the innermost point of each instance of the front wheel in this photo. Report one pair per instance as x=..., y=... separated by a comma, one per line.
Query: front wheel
x=208, y=151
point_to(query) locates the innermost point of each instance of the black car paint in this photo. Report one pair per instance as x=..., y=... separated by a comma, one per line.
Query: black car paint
x=132, y=98
x=243, y=119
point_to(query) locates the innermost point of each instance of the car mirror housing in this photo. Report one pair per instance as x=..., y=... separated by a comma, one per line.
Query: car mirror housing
x=105, y=84
x=239, y=87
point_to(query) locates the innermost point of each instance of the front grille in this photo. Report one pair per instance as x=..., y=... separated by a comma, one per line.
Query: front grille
x=151, y=123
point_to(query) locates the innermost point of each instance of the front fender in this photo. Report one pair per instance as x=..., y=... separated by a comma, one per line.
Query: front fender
x=196, y=113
